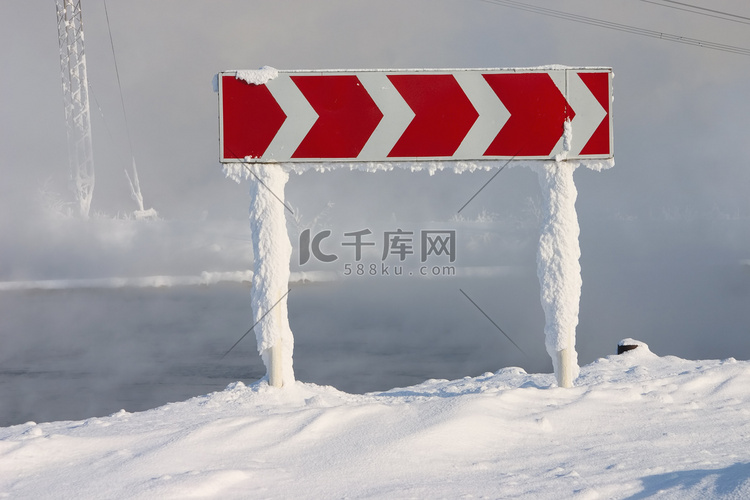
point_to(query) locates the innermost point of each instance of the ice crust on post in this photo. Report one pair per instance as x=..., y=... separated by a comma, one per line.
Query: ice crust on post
x=272, y=255
x=558, y=266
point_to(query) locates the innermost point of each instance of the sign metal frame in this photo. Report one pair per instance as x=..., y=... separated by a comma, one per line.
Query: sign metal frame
x=284, y=117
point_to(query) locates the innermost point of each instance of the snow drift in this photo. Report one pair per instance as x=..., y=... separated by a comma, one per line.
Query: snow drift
x=635, y=425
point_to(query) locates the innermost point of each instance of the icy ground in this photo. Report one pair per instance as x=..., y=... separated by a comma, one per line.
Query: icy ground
x=636, y=425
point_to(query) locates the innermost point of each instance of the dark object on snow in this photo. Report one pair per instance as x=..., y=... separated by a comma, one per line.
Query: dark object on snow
x=623, y=348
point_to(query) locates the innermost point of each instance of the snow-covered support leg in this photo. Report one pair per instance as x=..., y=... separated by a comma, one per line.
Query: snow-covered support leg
x=272, y=251
x=558, y=268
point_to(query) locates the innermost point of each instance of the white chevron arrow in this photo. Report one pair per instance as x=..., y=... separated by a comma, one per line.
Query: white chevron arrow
x=397, y=115
x=560, y=80
x=300, y=118
x=589, y=113
x=492, y=115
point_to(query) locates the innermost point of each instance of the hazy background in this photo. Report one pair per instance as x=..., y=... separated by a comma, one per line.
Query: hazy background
x=665, y=235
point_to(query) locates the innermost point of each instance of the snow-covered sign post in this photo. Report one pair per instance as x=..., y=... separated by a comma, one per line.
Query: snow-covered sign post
x=552, y=119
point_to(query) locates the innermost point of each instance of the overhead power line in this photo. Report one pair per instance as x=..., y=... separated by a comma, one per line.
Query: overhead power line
x=701, y=11
x=625, y=28
x=119, y=84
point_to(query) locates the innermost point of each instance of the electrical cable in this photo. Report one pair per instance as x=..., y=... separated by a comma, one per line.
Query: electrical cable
x=119, y=84
x=259, y=320
x=701, y=11
x=625, y=28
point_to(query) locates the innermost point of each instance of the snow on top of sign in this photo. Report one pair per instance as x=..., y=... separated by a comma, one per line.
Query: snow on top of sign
x=257, y=76
x=253, y=76
x=545, y=67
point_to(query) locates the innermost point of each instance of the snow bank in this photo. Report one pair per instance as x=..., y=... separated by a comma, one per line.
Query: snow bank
x=635, y=426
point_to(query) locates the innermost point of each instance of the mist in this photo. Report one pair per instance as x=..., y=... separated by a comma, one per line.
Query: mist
x=665, y=234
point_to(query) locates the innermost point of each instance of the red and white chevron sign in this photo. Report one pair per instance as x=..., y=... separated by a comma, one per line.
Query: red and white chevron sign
x=391, y=115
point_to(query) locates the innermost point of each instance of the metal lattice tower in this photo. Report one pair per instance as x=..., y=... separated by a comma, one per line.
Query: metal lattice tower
x=76, y=95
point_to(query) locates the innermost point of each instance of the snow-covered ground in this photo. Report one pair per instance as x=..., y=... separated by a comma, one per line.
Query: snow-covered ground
x=635, y=425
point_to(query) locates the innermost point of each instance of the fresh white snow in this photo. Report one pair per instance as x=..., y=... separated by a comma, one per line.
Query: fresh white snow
x=635, y=426
x=257, y=76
